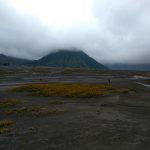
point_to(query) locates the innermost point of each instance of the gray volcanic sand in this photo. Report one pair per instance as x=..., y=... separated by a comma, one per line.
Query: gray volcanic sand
x=116, y=122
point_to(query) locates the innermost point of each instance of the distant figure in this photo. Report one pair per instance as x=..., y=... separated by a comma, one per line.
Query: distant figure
x=108, y=81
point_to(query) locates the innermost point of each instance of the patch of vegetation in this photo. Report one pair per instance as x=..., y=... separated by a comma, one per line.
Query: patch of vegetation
x=10, y=102
x=68, y=71
x=80, y=70
x=124, y=90
x=40, y=70
x=35, y=110
x=148, y=81
x=3, y=72
x=55, y=102
x=4, y=130
x=17, y=110
x=67, y=90
x=46, y=111
x=4, y=126
x=4, y=123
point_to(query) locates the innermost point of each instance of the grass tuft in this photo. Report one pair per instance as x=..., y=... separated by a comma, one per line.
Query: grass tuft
x=55, y=102
x=68, y=71
x=40, y=70
x=35, y=110
x=10, y=102
x=4, y=126
x=46, y=111
x=4, y=130
x=16, y=110
x=4, y=123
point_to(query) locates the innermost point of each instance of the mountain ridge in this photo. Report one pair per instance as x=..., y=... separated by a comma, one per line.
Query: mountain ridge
x=70, y=59
x=61, y=59
x=9, y=60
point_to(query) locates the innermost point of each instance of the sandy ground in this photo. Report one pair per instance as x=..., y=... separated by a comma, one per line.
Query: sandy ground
x=116, y=122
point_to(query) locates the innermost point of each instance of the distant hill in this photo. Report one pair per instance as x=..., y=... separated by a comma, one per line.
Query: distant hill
x=138, y=67
x=9, y=61
x=62, y=59
x=70, y=59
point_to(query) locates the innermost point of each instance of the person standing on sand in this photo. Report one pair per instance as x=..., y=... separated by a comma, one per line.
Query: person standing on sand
x=108, y=81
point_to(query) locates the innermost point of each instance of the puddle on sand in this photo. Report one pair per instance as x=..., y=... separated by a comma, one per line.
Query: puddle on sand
x=146, y=85
x=140, y=77
x=136, y=77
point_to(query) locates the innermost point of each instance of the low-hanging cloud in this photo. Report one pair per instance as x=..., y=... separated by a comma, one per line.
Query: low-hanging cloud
x=110, y=31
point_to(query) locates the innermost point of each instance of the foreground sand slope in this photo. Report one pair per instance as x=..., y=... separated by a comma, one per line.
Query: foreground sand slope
x=119, y=120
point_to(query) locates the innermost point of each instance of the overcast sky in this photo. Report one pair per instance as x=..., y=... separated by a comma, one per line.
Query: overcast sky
x=111, y=31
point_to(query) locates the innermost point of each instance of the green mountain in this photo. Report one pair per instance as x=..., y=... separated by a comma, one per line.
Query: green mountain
x=69, y=59
x=61, y=59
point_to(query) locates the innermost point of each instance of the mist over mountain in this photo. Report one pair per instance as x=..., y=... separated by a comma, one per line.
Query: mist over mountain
x=110, y=31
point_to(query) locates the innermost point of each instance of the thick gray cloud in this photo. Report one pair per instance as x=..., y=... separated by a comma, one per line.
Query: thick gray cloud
x=115, y=31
